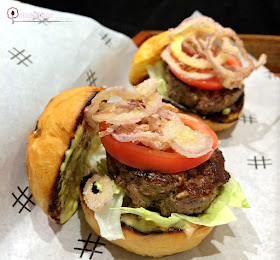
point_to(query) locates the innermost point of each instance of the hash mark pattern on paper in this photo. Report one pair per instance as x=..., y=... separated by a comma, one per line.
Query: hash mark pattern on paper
x=259, y=162
x=41, y=20
x=87, y=242
x=107, y=40
x=248, y=119
x=91, y=78
x=19, y=55
x=271, y=76
x=23, y=199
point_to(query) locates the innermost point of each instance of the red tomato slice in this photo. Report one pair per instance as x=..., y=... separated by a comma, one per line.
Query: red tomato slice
x=232, y=61
x=208, y=84
x=200, y=126
x=144, y=158
x=211, y=83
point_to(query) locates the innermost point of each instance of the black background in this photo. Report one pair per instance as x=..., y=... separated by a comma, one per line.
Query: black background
x=130, y=17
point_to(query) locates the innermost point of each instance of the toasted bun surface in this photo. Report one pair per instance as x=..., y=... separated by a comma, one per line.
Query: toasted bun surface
x=153, y=245
x=48, y=142
x=219, y=126
x=147, y=54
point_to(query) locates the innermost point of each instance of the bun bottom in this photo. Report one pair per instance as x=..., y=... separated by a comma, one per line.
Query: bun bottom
x=218, y=126
x=153, y=245
x=216, y=123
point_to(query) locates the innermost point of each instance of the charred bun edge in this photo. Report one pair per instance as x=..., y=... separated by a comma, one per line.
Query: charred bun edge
x=48, y=142
x=53, y=207
x=153, y=244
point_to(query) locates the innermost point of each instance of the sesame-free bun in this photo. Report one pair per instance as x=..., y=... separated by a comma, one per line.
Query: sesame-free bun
x=216, y=123
x=147, y=54
x=153, y=245
x=48, y=142
x=232, y=119
x=219, y=126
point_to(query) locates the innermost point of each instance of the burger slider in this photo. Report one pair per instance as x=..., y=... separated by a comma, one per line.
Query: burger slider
x=202, y=65
x=145, y=175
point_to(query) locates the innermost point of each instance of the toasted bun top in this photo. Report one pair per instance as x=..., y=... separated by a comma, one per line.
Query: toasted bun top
x=148, y=53
x=48, y=142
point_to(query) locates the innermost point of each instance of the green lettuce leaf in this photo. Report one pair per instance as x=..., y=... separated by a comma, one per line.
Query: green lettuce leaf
x=217, y=214
x=157, y=71
x=108, y=219
x=166, y=222
x=96, y=157
x=233, y=196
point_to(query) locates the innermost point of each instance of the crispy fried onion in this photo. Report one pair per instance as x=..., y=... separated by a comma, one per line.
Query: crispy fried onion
x=180, y=135
x=131, y=109
x=98, y=201
x=196, y=45
x=230, y=77
x=164, y=130
x=167, y=57
x=137, y=120
x=191, y=33
x=208, y=45
x=204, y=23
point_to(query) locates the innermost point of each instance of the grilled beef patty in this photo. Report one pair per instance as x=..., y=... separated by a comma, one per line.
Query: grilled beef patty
x=189, y=192
x=200, y=100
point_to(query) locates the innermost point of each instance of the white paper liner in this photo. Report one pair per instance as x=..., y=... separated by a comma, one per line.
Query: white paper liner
x=63, y=55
